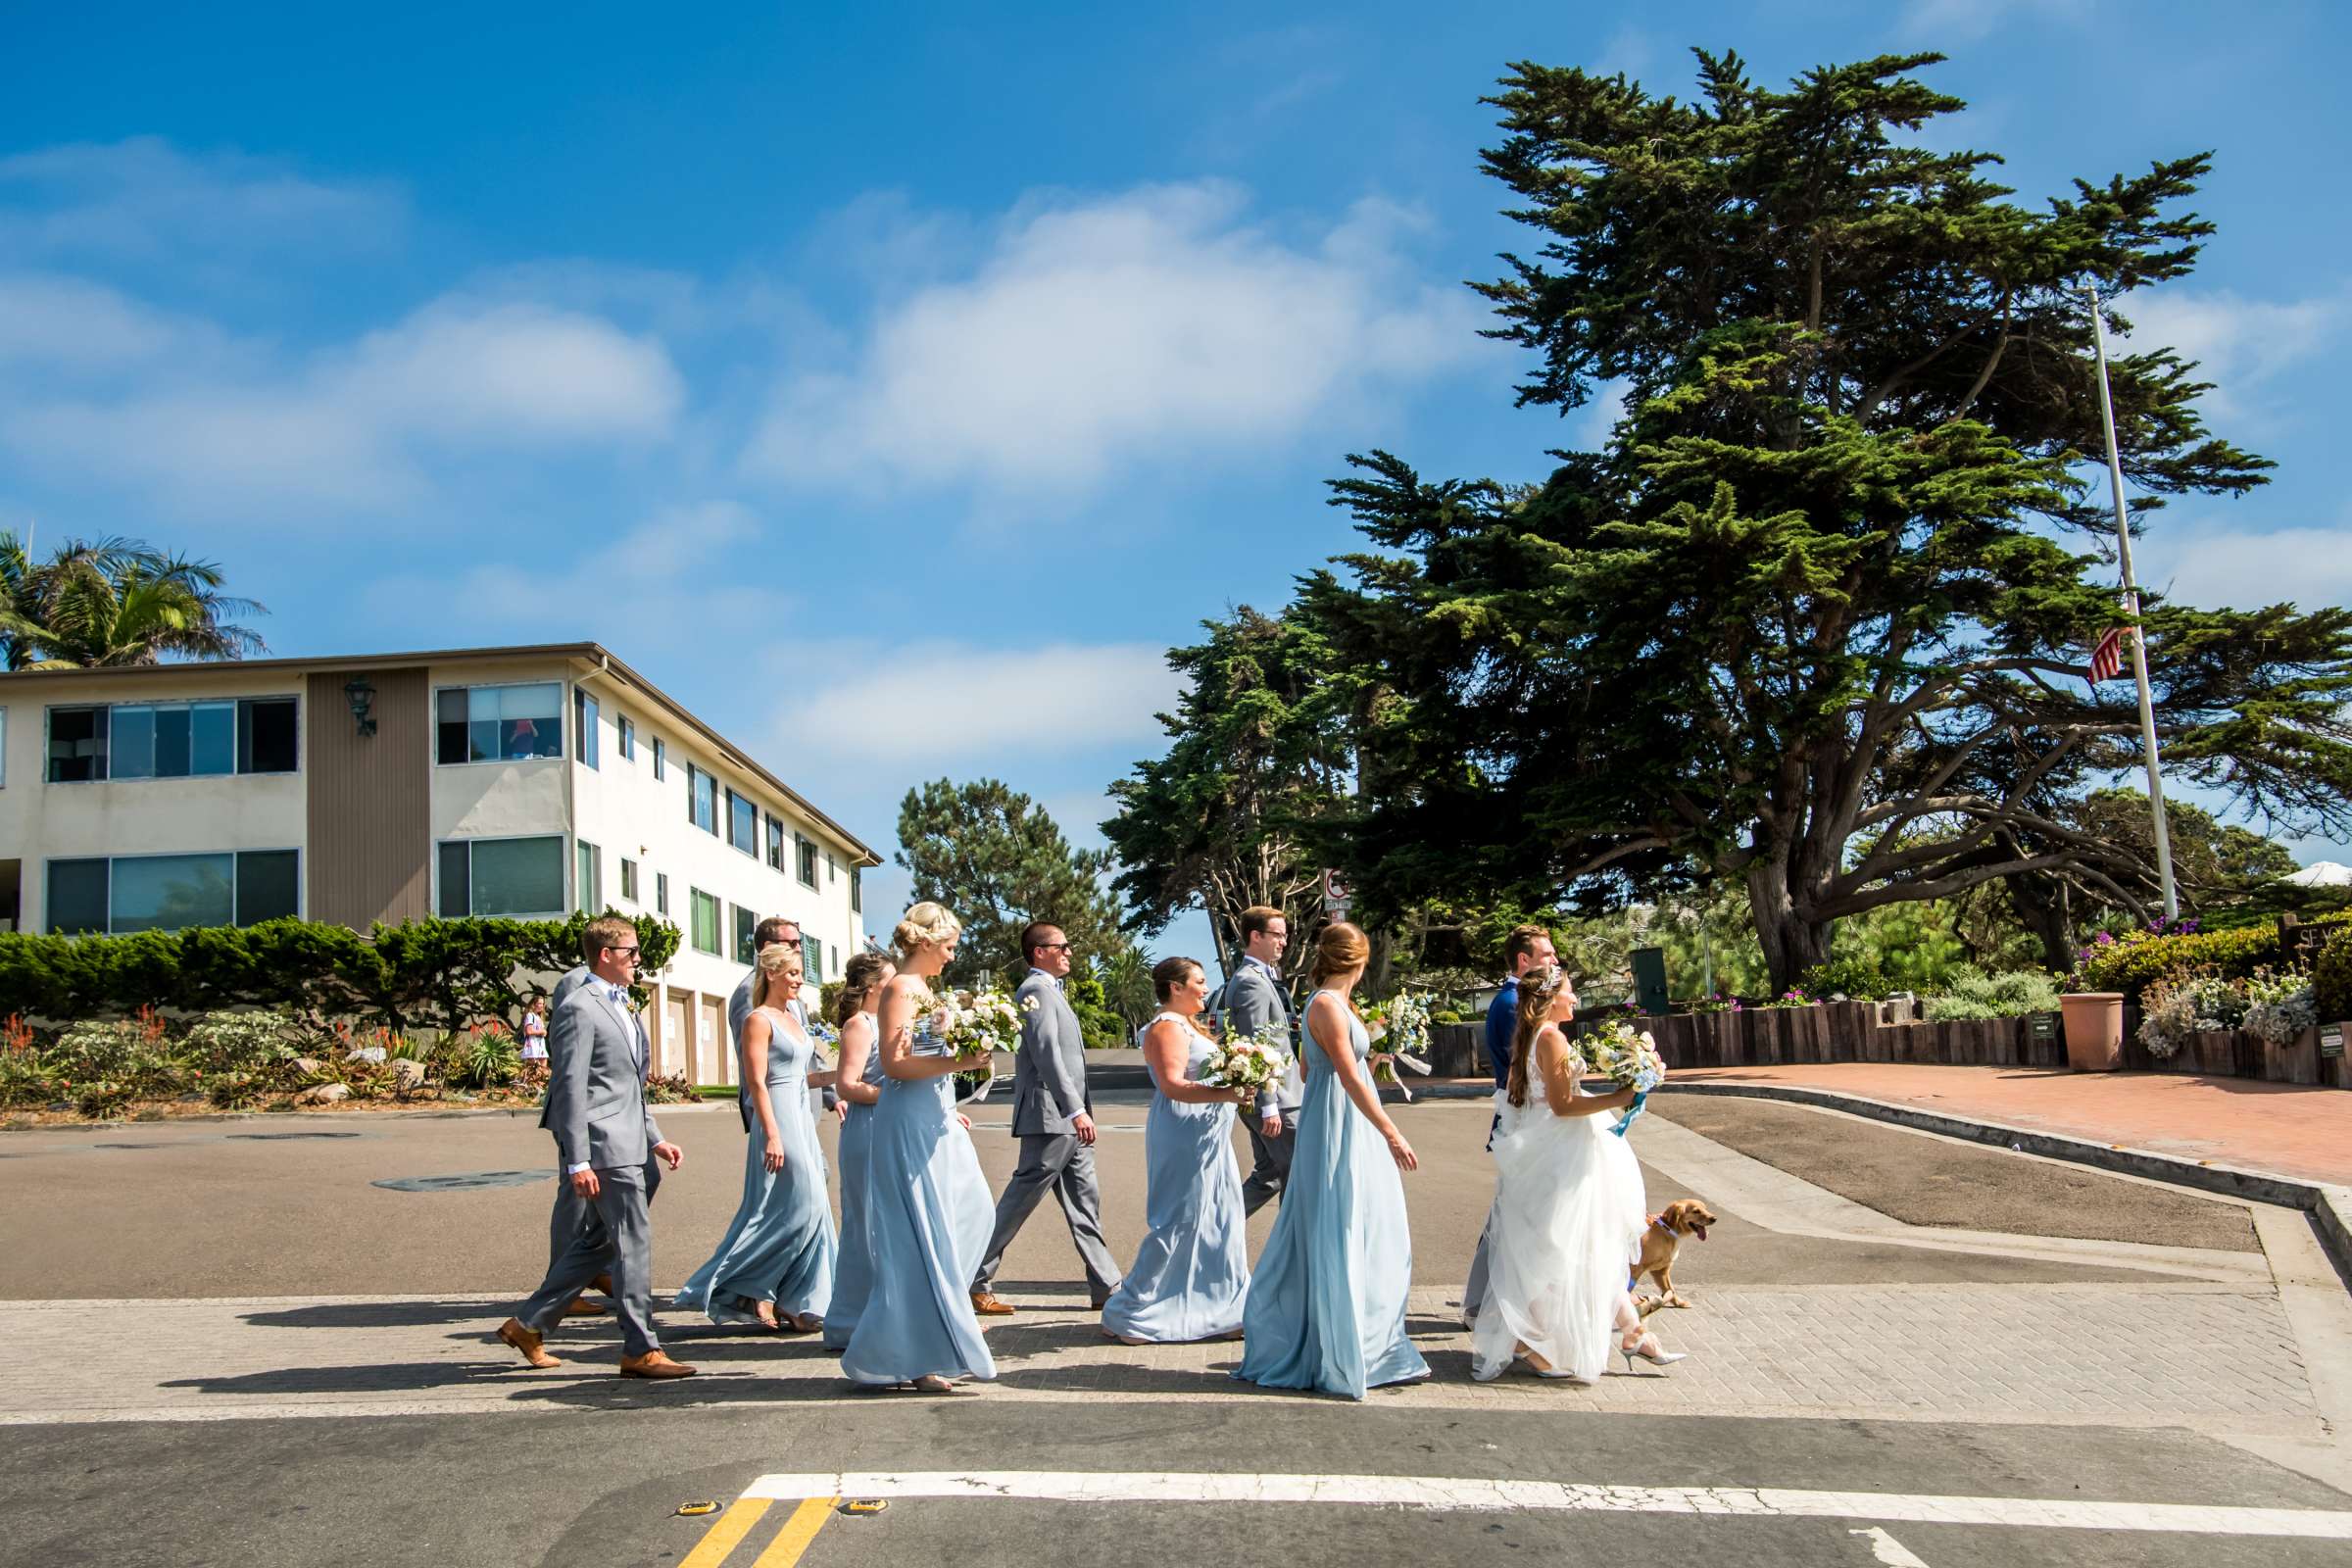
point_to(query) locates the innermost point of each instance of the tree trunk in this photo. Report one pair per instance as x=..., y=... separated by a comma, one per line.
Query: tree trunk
x=1792, y=943
x=2044, y=906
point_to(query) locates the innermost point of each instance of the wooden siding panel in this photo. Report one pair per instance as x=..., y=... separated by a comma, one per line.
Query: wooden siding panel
x=370, y=856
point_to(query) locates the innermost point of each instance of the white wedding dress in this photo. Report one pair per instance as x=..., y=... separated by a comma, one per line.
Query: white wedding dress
x=1566, y=1227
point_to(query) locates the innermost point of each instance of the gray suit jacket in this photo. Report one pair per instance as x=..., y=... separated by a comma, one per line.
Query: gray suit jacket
x=595, y=1087
x=574, y=978
x=1253, y=999
x=1048, y=1072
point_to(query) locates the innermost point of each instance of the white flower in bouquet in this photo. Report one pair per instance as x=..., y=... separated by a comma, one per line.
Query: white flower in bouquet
x=1626, y=1057
x=1399, y=1026
x=1250, y=1062
x=970, y=1023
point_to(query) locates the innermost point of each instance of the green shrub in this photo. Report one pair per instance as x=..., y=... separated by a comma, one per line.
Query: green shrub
x=248, y=1041
x=236, y=1091
x=2011, y=994
x=102, y=1099
x=1857, y=979
x=2137, y=959
x=2331, y=979
x=24, y=1081
x=435, y=974
x=134, y=1055
x=484, y=1059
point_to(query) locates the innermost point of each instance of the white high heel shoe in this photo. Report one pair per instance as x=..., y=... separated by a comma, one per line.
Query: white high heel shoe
x=1648, y=1349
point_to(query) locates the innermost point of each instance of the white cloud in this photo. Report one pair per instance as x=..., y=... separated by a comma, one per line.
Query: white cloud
x=1948, y=19
x=347, y=426
x=68, y=326
x=936, y=705
x=1150, y=324
x=2222, y=568
x=2240, y=344
x=143, y=199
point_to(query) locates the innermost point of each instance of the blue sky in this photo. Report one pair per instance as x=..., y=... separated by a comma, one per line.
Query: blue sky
x=893, y=388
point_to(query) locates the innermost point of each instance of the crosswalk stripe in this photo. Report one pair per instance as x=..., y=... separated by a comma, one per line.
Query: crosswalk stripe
x=799, y=1530
x=1443, y=1493
x=721, y=1538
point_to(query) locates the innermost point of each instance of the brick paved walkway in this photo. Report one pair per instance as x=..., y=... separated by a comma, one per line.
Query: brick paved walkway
x=2287, y=1129
x=2150, y=1354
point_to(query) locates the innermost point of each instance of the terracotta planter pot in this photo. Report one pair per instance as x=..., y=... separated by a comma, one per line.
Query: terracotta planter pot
x=2094, y=1030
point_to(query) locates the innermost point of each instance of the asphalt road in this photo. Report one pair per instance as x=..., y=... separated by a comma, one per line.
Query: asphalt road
x=588, y=1469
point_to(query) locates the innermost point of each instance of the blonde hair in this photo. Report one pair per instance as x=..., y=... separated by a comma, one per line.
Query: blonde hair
x=926, y=922
x=1538, y=988
x=770, y=961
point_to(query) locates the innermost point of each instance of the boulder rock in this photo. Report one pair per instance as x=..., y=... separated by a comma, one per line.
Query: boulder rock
x=308, y=1066
x=323, y=1095
x=406, y=1074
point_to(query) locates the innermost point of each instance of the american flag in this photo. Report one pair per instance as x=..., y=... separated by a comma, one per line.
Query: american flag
x=2107, y=659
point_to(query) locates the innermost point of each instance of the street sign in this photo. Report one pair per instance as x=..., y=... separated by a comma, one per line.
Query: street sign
x=2332, y=1040
x=2045, y=1026
x=1334, y=897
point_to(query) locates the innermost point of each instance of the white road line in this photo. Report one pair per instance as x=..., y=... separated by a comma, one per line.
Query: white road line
x=1448, y=1493
x=1889, y=1551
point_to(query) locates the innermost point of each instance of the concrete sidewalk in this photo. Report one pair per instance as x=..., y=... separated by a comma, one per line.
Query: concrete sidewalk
x=2290, y=1130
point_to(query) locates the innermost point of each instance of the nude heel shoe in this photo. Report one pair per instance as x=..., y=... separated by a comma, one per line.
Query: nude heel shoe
x=1647, y=1348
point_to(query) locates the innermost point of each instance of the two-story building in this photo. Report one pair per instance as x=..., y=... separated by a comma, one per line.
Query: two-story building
x=486, y=781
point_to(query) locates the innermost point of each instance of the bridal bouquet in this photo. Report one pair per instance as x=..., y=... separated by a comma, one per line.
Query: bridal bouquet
x=1400, y=1027
x=1253, y=1061
x=1627, y=1059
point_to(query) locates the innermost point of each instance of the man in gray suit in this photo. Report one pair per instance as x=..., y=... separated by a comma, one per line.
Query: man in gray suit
x=597, y=1060
x=1052, y=1117
x=573, y=1213
x=1252, y=998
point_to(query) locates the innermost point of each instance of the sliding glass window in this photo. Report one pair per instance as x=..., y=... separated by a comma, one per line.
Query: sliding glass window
x=132, y=892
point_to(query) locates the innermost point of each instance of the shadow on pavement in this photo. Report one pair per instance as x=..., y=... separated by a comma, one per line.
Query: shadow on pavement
x=381, y=1314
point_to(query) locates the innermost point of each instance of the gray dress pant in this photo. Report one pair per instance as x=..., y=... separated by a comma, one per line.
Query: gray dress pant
x=575, y=1213
x=1273, y=1165
x=619, y=1238
x=1057, y=1160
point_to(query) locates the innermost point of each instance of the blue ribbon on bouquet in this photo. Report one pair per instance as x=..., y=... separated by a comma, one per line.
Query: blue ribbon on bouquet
x=1631, y=1111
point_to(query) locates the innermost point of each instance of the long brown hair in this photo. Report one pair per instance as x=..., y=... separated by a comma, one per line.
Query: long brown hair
x=1341, y=947
x=858, y=980
x=1538, y=988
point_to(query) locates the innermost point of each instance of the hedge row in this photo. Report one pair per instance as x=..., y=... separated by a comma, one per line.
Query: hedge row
x=430, y=974
x=2139, y=962
x=2331, y=979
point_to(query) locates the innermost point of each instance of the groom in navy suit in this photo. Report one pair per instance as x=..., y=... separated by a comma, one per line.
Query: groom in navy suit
x=1526, y=948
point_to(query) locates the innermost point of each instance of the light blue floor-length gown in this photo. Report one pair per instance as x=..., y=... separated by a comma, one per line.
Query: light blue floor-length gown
x=1326, y=1308
x=928, y=1217
x=853, y=1274
x=1193, y=1270
x=781, y=1244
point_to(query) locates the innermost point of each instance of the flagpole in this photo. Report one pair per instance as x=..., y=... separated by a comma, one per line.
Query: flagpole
x=2140, y=649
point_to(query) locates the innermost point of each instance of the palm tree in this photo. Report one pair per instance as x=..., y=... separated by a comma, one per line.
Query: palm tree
x=116, y=602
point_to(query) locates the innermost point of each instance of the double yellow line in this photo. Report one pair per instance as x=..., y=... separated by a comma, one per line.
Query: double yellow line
x=745, y=1513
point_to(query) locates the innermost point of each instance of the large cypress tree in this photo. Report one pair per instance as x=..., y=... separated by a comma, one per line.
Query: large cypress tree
x=1814, y=620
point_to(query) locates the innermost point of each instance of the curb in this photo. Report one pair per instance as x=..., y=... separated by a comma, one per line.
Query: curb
x=2329, y=1207
x=420, y=1113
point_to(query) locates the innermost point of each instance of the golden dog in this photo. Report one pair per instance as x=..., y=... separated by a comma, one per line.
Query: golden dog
x=1661, y=1239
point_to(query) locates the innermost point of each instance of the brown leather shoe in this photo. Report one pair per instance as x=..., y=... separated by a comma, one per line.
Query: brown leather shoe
x=985, y=1304
x=654, y=1364
x=581, y=1306
x=602, y=1283
x=527, y=1341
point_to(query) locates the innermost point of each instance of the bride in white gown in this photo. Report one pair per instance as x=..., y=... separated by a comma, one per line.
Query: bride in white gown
x=1568, y=1212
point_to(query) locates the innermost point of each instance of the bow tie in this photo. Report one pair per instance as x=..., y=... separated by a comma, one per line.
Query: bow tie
x=619, y=996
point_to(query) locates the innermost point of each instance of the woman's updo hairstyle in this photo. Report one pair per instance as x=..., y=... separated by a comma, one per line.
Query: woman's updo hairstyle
x=925, y=922
x=770, y=961
x=1169, y=974
x=858, y=978
x=1341, y=947
x=1538, y=988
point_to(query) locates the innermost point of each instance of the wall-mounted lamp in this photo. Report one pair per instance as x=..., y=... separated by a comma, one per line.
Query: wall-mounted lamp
x=362, y=694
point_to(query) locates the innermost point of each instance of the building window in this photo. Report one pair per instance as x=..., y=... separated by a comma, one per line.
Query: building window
x=662, y=893
x=628, y=879
x=705, y=922
x=629, y=736
x=832, y=870
x=584, y=710
x=858, y=888
x=742, y=825
x=498, y=723
x=661, y=761
x=812, y=960
x=808, y=861
x=589, y=885
x=172, y=740
x=702, y=800
x=746, y=923
x=166, y=891
x=833, y=957
x=775, y=841
x=501, y=877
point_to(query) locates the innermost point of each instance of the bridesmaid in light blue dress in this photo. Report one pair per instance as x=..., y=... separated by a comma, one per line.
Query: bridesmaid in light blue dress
x=928, y=1209
x=1326, y=1308
x=860, y=1066
x=774, y=1266
x=1193, y=1270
